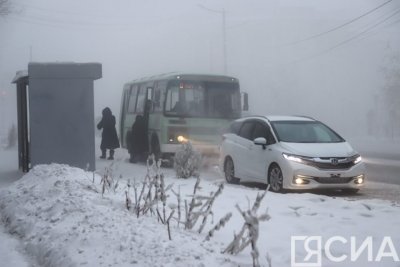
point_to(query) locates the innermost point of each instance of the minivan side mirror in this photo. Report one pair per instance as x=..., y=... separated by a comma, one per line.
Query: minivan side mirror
x=261, y=141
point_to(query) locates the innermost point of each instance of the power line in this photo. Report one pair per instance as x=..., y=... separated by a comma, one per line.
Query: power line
x=365, y=31
x=388, y=25
x=82, y=23
x=353, y=37
x=340, y=26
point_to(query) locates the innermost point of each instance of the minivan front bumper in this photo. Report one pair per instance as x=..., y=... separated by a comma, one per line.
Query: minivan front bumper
x=299, y=176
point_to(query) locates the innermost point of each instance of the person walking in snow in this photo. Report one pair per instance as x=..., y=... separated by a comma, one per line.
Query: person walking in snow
x=109, y=138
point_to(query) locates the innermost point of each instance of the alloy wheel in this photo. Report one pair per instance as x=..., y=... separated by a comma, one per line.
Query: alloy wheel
x=275, y=178
x=229, y=170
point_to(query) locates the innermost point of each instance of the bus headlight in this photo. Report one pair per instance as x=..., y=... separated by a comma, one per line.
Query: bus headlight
x=181, y=139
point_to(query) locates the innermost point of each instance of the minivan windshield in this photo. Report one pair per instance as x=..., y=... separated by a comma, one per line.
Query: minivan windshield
x=305, y=132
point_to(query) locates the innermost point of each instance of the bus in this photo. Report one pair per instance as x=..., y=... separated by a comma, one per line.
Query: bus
x=180, y=107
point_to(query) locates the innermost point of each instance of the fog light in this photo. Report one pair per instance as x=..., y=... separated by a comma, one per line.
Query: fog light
x=301, y=179
x=359, y=179
x=298, y=181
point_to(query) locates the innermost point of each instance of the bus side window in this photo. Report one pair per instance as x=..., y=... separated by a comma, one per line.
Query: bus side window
x=132, y=99
x=125, y=100
x=157, y=99
x=172, y=98
x=159, y=95
x=141, y=99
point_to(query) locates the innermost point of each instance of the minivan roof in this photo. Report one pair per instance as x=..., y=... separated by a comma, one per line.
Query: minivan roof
x=280, y=118
x=288, y=118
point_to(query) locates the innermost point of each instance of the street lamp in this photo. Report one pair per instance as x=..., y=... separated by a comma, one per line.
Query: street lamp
x=222, y=12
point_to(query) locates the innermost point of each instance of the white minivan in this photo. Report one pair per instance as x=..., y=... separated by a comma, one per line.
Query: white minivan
x=290, y=152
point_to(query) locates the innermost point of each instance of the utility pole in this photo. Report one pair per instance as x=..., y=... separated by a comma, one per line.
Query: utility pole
x=224, y=40
x=221, y=12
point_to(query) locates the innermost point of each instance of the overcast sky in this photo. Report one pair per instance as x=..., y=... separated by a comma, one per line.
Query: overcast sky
x=333, y=77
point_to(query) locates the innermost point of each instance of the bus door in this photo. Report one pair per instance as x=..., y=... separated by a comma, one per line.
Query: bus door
x=147, y=110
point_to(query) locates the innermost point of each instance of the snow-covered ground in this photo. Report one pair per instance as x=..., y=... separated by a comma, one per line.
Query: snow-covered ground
x=58, y=217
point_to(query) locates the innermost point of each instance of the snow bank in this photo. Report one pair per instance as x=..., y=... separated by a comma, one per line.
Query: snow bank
x=63, y=220
x=10, y=254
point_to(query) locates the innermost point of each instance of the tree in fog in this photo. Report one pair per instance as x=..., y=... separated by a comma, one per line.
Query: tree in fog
x=391, y=94
x=384, y=116
x=4, y=7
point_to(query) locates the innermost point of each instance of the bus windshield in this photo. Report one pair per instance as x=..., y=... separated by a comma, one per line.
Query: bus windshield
x=202, y=99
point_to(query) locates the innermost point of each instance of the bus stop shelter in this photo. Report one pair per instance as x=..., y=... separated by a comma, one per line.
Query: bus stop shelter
x=55, y=109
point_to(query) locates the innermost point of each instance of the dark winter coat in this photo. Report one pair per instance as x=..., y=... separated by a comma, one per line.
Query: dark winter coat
x=109, y=138
x=138, y=136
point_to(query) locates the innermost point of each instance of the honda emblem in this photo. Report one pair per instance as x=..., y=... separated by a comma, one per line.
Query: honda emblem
x=334, y=161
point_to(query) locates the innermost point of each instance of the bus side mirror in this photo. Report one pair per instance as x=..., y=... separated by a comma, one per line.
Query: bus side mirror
x=245, y=101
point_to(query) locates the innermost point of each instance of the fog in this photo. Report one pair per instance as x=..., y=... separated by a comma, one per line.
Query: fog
x=272, y=46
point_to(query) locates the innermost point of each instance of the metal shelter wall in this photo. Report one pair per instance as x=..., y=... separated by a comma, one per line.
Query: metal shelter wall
x=21, y=80
x=61, y=113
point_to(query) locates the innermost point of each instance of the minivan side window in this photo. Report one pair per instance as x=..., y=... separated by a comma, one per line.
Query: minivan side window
x=246, y=130
x=259, y=131
x=270, y=137
x=262, y=130
x=235, y=127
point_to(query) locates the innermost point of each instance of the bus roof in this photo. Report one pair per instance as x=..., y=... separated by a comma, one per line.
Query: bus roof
x=186, y=76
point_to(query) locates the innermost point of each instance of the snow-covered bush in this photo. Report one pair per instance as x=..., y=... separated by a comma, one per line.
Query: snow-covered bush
x=187, y=161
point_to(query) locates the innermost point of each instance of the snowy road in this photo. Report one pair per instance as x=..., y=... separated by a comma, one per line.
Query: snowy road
x=376, y=187
x=383, y=170
x=383, y=174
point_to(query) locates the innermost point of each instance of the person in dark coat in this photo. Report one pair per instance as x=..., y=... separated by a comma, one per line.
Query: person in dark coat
x=109, y=138
x=138, y=140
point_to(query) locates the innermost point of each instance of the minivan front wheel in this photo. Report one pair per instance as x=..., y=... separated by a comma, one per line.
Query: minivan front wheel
x=229, y=170
x=275, y=178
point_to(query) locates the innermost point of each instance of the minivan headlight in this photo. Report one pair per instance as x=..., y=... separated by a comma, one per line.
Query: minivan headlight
x=292, y=157
x=357, y=159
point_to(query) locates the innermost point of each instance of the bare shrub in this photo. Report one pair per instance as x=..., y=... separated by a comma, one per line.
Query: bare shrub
x=248, y=235
x=200, y=206
x=222, y=222
x=108, y=182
